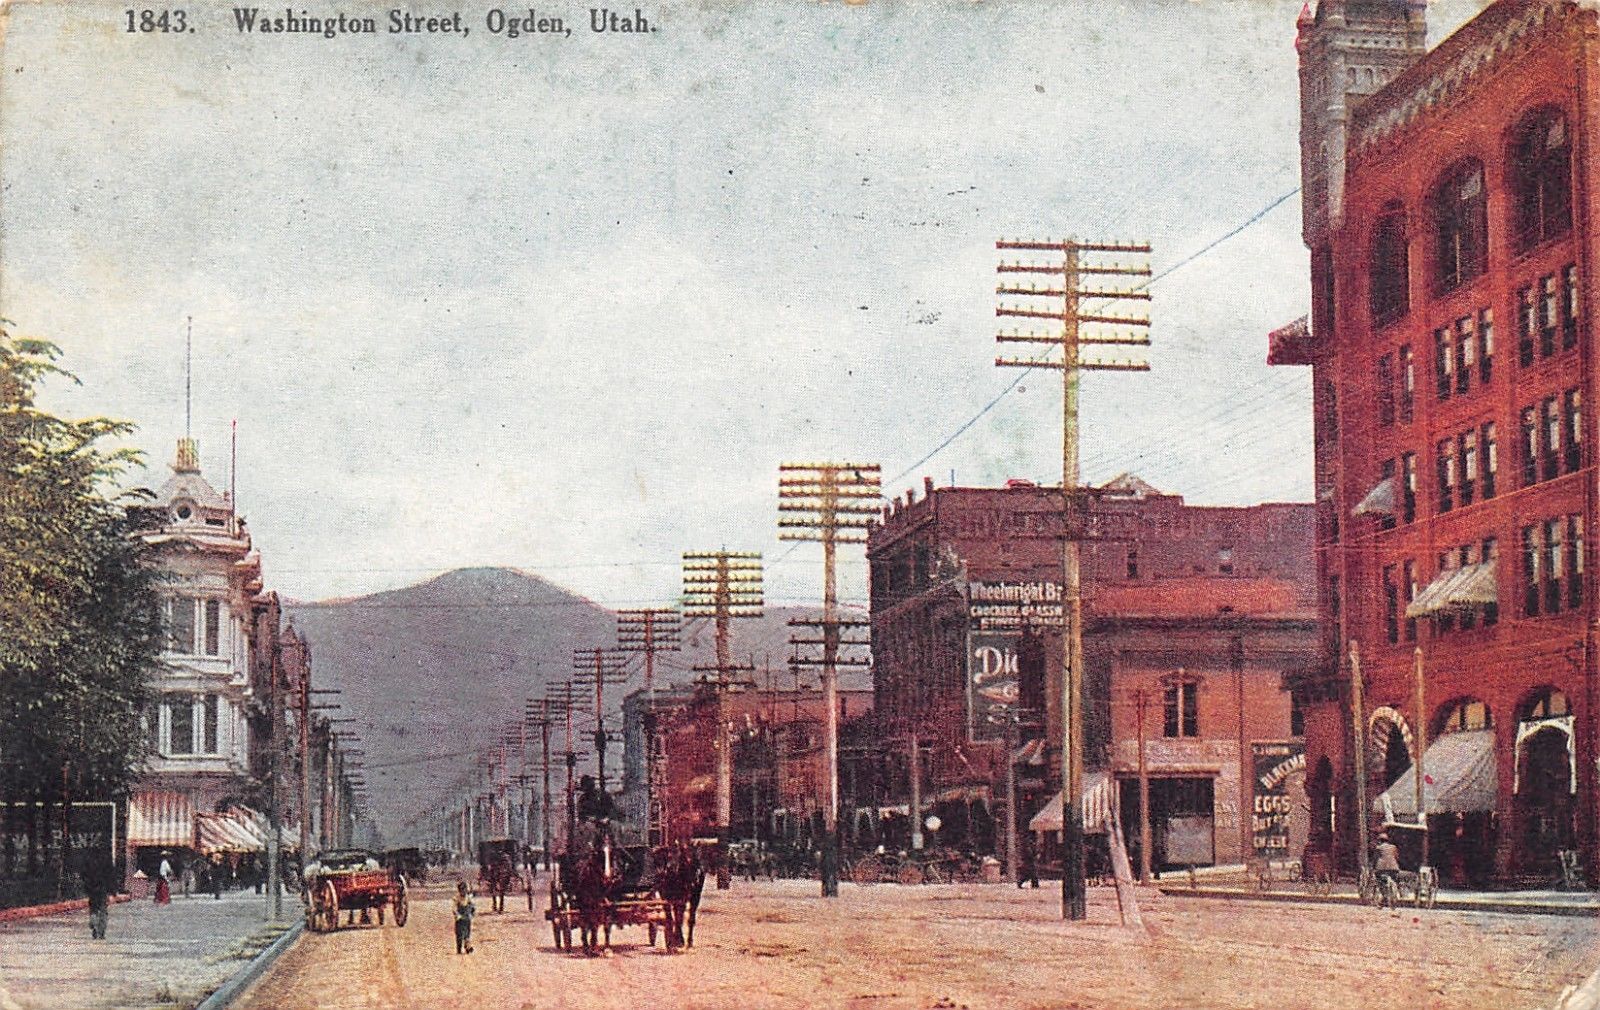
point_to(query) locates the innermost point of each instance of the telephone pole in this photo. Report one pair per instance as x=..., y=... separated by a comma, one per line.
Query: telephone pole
x=598, y=667
x=829, y=503
x=1078, y=260
x=538, y=712
x=648, y=631
x=722, y=585
x=561, y=699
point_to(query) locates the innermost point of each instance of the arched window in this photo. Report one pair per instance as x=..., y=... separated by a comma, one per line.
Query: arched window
x=1460, y=226
x=1546, y=703
x=1389, y=267
x=1464, y=714
x=1540, y=164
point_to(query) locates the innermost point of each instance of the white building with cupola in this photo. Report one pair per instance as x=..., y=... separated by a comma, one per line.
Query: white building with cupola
x=198, y=729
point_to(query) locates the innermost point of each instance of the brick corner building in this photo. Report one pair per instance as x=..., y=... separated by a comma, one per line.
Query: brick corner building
x=1447, y=209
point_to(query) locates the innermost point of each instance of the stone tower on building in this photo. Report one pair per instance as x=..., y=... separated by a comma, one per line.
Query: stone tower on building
x=1348, y=50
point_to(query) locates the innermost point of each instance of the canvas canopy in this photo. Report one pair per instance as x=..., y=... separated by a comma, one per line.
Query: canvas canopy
x=1458, y=778
x=1457, y=589
x=1098, y=800
x=1379, y=501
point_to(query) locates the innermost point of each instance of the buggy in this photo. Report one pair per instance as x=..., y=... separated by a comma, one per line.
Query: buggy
x=351, y=880
x=503, y=868
x=603, y=887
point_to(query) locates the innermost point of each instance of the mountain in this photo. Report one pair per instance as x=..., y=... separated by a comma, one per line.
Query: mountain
x=433, y=672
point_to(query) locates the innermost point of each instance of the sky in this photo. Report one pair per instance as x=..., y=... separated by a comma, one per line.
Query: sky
x=565, y=304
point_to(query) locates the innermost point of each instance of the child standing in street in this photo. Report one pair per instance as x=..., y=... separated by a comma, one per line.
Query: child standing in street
x=464, y=911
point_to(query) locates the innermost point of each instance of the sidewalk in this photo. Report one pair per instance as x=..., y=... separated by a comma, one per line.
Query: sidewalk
x=1230, y=882
x=168, y=956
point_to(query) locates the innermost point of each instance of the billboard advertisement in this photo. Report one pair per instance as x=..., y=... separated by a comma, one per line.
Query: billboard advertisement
x=997, y=612
x=1275, y=764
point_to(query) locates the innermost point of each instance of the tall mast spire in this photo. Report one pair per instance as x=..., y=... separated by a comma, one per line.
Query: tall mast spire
x=188, y=377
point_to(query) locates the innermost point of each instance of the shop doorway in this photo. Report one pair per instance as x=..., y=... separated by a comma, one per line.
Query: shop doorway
x=1182, y=821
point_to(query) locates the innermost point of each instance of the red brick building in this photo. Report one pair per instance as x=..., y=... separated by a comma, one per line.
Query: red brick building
x=776, y=779
x=1183, y=603
x=1446, y=206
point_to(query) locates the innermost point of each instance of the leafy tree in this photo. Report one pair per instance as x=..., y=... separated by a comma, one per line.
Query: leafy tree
x=79, y=615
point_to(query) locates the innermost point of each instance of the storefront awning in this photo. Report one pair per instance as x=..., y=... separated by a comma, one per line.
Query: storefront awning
x=1458, y=778
x=1379, y=501
x=1457, y=589
x=160, y=818
x=1099, y=797
x=223, y=833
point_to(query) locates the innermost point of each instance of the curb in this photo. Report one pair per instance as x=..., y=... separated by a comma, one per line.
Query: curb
x=54, y=908
x=1443, y=904
x=231, y=990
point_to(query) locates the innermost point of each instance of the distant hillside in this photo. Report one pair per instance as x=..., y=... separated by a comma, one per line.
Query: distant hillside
x=432, y=671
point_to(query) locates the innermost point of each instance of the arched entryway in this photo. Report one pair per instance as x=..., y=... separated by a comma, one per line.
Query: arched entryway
x=1546, y=782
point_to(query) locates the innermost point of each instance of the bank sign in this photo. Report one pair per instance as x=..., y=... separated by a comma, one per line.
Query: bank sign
x=1275, y=763
x=997, y=612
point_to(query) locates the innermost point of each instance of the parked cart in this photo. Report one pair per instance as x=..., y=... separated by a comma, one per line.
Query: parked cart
x=351, y=881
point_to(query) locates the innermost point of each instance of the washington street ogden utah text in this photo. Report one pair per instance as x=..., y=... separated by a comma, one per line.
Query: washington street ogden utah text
x=509, y=23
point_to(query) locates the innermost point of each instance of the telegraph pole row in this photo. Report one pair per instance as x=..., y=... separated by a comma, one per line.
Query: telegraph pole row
x=829, y=503
x=1077, y=261
x=648, y=631
x=597, y=667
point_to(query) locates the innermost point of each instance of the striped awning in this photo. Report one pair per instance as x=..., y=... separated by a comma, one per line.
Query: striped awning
x=1457, y=589
x=224, y=833
x=1099, y=798
x=160, y=818
x=1458, y=778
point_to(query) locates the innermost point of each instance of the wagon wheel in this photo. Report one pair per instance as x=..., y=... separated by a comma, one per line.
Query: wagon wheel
x=910, y=873
x=402, y=905
x=866, y=871
x=330, y=907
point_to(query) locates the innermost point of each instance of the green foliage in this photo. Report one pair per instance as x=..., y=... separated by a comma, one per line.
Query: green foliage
x=79, y=615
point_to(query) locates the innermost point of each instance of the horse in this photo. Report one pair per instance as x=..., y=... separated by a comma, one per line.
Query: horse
x=680, y=880
x=592, y=895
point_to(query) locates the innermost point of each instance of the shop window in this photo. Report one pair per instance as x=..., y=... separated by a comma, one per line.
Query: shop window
x=1541, y=179
x=1460, y=227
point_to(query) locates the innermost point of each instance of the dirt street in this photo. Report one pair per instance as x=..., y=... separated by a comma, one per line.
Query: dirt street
x=892, y=948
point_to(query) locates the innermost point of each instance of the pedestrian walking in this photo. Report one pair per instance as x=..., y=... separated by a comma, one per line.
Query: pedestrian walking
x=215, y=872
x=1030, y=864
x=464, y=911
x=164, y=881
x=97, y=885
x=1386, y=867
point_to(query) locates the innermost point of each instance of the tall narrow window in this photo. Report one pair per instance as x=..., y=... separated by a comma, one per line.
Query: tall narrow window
x=1549, y=315
x=1530, y=447
x=1556, y=569
x=1389, y=269
x=180, y=716
x=1408, y=466
x=1572, y=423
x=1525, y=326
x=1466, y=353
x=1491, y=459
x=1408, y=582
x=1541, y=179
x=1408, y=383
x=1469, y=466
x=180, y=624
x=1447, y=474
x=1491, y=552
x=1444, y=362
x=1385, y=380
x=1391, y=604
x=1530, y=571
x=1485, y=345
x=1182, y=709
x=208, y=724
x=213, y=610
x=1570, y=307
x=1460, y=226
x=1550, y=417
x=1575, y=568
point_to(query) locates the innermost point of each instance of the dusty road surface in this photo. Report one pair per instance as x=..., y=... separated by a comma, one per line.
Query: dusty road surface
x=892, y=948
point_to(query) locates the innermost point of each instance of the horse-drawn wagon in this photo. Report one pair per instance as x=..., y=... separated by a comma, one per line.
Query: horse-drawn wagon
x=503, y=867
x=351, y=881
x=603, y=887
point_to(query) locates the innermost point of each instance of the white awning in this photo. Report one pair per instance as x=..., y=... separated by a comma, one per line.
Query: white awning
x=1379, y=501
x=1457, y=589
x=1458, y=778
x=1099, y=798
